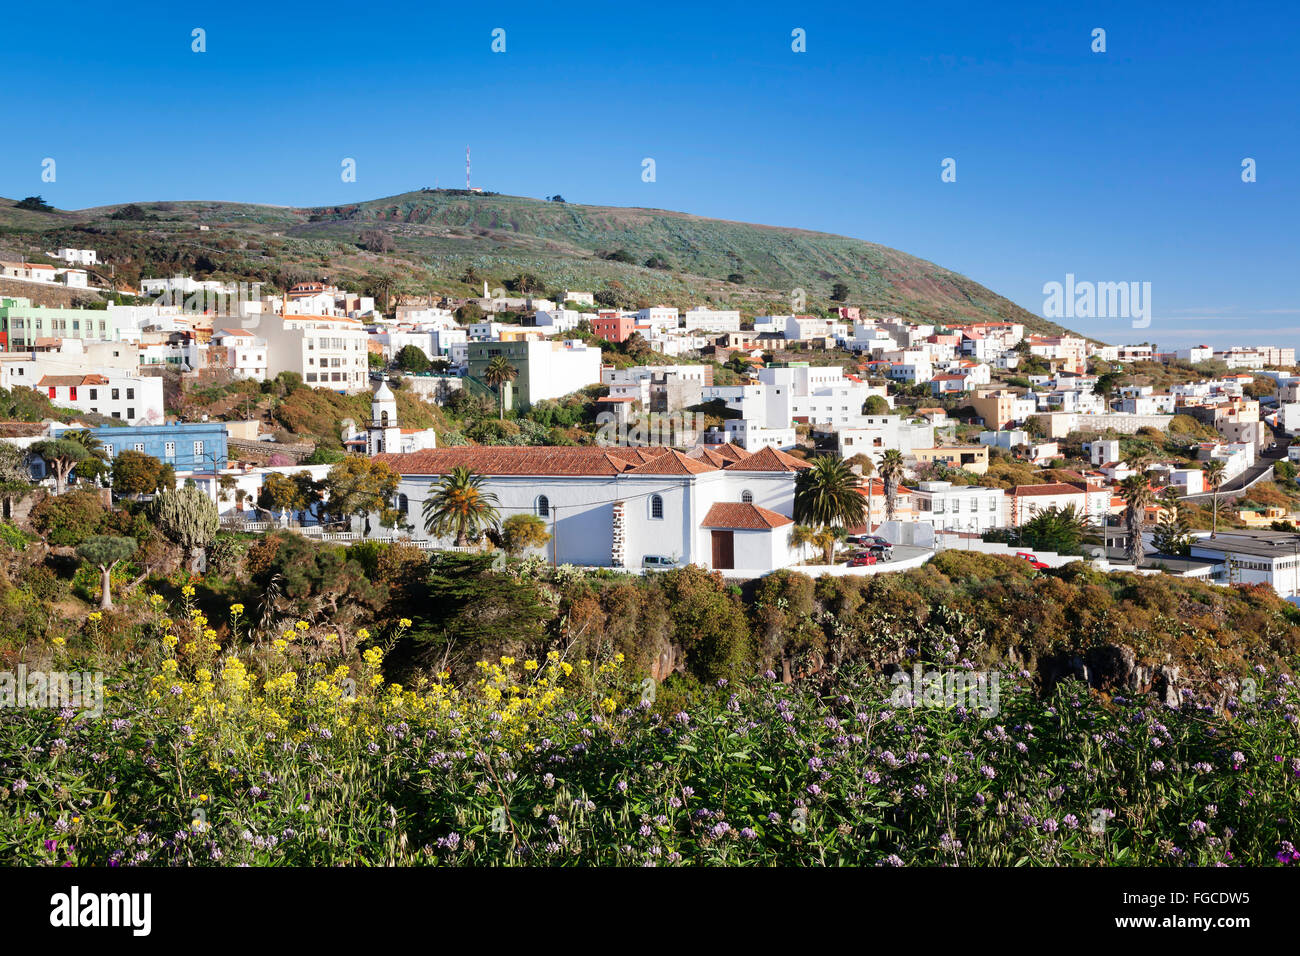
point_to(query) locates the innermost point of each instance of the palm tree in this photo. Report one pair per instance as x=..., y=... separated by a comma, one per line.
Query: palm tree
x=1138, y=461
x=460, y=506
x=827, y=495
x=891, y=473
x=802, y=535
x=498, y=373
x=1137, y=496
x=87, y=440
x=1213, y=472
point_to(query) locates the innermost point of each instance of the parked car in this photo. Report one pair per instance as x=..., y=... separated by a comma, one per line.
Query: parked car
x=1033, y=560
x=866, y=540
x=658, y=562
x=861, y=559
x=881, y=552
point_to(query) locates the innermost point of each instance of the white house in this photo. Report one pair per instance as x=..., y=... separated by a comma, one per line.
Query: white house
x=327, y=351
x=82, y=257
x=722, y=508
x=949, y=507
x=134, y=400
x=239, y=351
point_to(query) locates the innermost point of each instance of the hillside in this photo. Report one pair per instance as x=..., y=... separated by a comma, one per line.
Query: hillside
x=450, y=241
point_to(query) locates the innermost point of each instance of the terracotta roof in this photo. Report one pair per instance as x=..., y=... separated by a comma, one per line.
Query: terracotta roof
x=673, y=463
x=72, y=380
x=236, y=332
x=769, y=459
x=1051, y=488
x=711, y=456
x=515, y=460
x=743, y=517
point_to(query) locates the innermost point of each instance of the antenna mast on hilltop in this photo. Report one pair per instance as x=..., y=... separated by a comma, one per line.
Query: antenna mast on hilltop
x=467, y=169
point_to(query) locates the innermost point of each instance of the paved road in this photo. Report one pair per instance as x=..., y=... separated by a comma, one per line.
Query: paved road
x=1263, y=465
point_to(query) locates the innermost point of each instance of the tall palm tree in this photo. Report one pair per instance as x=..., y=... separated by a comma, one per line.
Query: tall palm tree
x=1137, y=495
x=827, y=495
x=499, y=371
x=891, y=473
x=460, y=506
x=1213, y=472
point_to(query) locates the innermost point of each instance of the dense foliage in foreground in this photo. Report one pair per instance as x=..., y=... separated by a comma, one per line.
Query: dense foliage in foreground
x=283, y=754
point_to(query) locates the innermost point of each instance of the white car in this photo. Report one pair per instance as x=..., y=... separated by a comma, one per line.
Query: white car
x=658, y=562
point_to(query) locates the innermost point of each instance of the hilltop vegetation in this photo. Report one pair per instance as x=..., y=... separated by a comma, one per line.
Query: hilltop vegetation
x=450, y=242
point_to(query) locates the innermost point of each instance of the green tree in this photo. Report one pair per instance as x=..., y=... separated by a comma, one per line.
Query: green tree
x=104, y=552
x=499, y=371
x=1213, y=472
x=1056, y=529
x=188, y=517
x=358, y=486
x=839, y=292
x=411, y=358
x=459, y=506
x=136, y=473
x=827, y=495
x=61, y=455
x=875, y=405
x=68, y=519
x=523, y=531
x=1172, y=534
x=279, y=493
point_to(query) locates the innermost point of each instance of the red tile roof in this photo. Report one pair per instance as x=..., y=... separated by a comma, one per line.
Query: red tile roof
x=516, y=460
x=769, y=459
x=72, y=380
x=743, y=517
x=672, y=463
x=1051, y=488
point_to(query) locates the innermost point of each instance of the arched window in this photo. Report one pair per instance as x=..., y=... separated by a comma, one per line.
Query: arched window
x=543, y=506
x=403, y=504
x=656, y=506
x=383, y=418
x=747, y=497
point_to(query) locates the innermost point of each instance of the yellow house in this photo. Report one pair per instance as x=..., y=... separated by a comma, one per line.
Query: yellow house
x=973, y=458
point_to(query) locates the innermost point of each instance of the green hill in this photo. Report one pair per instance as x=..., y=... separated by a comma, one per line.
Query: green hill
x=451, y=241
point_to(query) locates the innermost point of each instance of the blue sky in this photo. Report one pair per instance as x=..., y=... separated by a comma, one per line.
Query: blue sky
x=1115, y=166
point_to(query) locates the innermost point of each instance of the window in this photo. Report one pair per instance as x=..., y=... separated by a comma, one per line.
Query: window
x=115, y=394
x=94, y=394
x=543, y=506
x=169, y=449
x=656, y=506
x=130, y=413
x=138, y=446
x=130, y=393
x=403, y=504
x=108, y=451
x=747, y=497
x=198, y=449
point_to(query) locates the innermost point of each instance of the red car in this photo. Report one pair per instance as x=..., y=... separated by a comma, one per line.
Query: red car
x=1033, y=560
x=861, y=560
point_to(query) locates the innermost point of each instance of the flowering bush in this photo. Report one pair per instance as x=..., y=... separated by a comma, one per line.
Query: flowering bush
x=297, y=752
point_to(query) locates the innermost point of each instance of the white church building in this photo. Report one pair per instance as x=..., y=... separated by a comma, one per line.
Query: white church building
x=383, y=434
x=719, y=507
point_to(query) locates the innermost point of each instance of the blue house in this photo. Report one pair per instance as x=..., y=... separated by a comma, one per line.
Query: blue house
x=186, y=446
